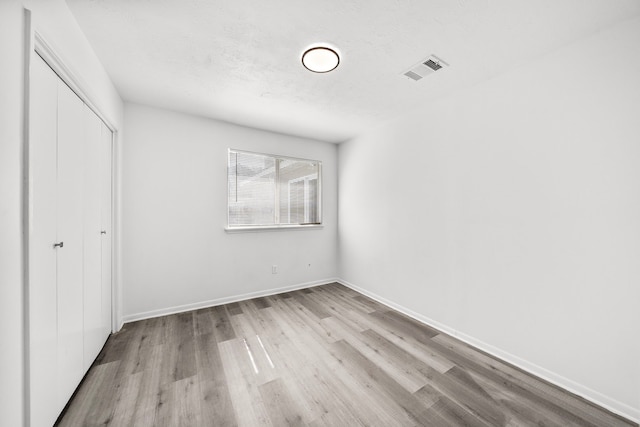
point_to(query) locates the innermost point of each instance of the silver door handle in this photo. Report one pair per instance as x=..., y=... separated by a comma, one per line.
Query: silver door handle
x=103, y=232
x=58, y=245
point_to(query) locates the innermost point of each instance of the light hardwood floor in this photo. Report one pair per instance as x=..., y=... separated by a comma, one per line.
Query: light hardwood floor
x=324, y=356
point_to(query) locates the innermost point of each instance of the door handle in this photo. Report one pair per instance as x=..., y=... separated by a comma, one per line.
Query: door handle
x=58, y=245
x=103, y=232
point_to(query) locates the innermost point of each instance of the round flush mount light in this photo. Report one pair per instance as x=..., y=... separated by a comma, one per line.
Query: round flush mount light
x=320, y=59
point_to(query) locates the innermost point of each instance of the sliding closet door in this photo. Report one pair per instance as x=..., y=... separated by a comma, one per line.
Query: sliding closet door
x=93, y=328
x=70, y=256
x=105, y=218
x=42, y=236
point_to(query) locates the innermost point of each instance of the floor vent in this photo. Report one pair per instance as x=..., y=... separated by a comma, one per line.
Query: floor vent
x=425, y=67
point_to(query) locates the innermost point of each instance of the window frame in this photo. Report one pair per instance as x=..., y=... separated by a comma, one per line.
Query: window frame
x=276, y=201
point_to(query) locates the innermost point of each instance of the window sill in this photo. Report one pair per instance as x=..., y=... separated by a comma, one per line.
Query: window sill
x=253, y=228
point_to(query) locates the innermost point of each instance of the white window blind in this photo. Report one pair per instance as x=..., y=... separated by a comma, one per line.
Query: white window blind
x=267, y=190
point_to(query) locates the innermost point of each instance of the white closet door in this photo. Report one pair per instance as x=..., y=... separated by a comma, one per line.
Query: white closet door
x=70, y=257
x=93, y=334
x=42, y=235
x=105, y=217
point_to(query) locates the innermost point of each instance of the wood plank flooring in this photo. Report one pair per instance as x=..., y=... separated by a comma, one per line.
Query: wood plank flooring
x=324, y=356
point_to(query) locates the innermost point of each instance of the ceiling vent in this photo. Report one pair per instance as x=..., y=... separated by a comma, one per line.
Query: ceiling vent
x=425, y=67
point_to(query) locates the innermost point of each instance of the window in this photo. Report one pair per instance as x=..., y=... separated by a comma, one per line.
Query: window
x=273, y=191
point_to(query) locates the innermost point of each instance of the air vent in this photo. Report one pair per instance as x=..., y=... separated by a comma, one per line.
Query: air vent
x=435, y=66
x=425, y=67
x=412, y=75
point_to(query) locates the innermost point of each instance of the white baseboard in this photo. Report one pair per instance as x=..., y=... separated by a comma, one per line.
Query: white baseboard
x=219, y=301
x=591, y=395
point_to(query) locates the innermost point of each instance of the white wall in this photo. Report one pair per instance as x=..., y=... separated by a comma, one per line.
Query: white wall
x=176, y=251
x=510, y=214
x=11, y=144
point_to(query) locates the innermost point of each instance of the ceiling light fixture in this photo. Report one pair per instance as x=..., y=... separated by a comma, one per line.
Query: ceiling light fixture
x=320, y=59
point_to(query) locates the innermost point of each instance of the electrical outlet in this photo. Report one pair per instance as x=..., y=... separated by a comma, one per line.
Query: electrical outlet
x=274, y=269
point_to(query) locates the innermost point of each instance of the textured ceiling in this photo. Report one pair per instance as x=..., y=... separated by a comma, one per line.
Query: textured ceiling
x=239, y=60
